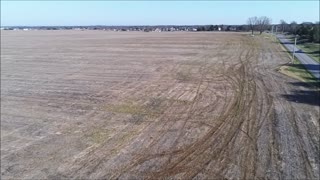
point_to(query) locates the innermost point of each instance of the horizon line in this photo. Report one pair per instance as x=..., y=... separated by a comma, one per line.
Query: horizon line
x=139, y=25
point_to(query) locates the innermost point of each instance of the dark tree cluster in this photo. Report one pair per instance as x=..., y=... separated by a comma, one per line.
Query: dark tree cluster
x=307, y=31
x=208, y=28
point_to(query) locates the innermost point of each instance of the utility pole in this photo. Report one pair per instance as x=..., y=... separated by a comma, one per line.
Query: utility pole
x=294, y=48
x=276, y=32
x=272, y=33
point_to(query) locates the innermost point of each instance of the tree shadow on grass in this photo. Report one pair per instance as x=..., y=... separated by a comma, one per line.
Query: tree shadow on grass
x=300, y=51
x=305, y=66
x=314, y=52
x=282, y=42
x=312, y=79
x=286, y=42
x=310, y=85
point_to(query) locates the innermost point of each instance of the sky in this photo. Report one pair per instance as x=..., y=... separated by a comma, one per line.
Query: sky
x=64, y=13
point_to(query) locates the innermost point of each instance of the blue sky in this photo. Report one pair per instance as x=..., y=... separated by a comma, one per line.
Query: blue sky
x=152, y=12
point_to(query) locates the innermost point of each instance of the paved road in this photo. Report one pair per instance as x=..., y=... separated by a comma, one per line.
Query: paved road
x=311, y=65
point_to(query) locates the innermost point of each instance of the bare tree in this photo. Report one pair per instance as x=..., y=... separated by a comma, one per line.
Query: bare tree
x=252, y=22
x=263, y=23
x=293, y=27
x=283, y=24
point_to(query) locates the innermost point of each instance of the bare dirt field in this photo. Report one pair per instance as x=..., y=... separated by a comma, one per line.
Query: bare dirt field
x=133, y=105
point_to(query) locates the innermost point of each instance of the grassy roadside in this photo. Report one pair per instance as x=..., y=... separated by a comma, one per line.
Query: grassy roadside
x=311, y=49
x=297, y=70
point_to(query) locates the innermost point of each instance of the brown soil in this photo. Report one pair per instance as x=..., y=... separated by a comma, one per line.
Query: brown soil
x=95, y=104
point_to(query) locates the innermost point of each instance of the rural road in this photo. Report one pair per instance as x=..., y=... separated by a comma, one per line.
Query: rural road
x=312, y=66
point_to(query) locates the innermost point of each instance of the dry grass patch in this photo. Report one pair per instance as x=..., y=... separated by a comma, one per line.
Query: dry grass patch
x=298, y=71
x=100, y=135
x=138, y=112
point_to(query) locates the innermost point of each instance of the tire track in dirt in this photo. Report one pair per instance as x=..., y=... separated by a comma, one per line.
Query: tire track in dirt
x=292, y=118
x=124, y=130
x=197, y=146
x=156, y=140
x=233, y=143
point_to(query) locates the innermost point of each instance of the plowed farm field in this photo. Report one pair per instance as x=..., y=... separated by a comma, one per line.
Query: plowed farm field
x=135, y=105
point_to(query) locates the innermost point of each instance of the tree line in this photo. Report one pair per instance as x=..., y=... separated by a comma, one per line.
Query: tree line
x=307, y=31
x=217, y=28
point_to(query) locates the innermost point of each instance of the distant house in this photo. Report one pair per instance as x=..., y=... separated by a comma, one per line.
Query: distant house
x=157, y=30
x=172, y=29
x=219, y=28
x=232, y=28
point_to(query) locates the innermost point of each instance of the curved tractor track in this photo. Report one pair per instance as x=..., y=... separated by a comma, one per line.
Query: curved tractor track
x=237, y=124
x=217, y=113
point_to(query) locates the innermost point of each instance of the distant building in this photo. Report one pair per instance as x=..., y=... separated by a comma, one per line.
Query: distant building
x=157, y=30
x=232, y=28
